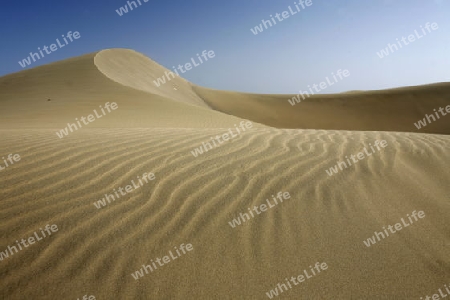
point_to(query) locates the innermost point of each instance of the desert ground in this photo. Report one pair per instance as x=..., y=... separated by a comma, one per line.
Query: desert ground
x=193, y=199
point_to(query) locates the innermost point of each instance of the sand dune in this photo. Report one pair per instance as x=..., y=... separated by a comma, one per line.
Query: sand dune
x=79, y=85
x=385, y=110
x=193, y=199
x=126, y=77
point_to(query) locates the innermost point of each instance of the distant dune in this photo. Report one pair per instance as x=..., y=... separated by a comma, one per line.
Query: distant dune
x=385, y=110
x=354, y=91
x=193, y=199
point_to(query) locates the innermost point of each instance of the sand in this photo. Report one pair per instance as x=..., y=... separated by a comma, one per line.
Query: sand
x=193, y=199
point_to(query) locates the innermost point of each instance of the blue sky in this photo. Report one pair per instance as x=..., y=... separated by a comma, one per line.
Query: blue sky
x=297, y=52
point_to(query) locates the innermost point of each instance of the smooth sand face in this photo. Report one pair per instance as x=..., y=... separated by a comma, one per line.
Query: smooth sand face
x=139, y=72
x=193, y=199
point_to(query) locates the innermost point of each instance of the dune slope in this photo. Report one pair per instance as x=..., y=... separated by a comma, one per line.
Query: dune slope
x=385, y=110
x=77, y=86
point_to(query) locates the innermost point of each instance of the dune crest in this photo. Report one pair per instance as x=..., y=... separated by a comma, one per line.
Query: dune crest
x=137, y=71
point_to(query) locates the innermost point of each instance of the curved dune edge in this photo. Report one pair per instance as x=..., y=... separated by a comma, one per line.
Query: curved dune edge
x=135, y=70
x=193, y=199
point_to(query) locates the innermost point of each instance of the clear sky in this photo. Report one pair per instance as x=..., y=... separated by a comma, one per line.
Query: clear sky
x=296, y=52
